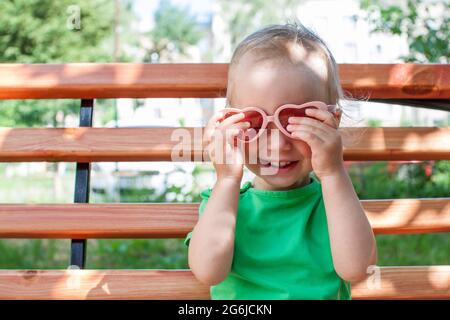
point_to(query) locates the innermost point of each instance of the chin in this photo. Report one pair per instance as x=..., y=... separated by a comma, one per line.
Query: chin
x=281, y=183
x=278, y=179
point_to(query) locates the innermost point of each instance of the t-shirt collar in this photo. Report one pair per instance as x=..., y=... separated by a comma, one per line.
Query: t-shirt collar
x=312, y=187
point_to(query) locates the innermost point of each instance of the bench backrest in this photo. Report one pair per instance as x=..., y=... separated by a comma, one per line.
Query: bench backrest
x=400, y=83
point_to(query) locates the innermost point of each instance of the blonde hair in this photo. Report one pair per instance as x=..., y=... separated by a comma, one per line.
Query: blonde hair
x=270, y=43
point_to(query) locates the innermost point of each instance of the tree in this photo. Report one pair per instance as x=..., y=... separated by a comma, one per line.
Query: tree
x=425, y=23
x=243, y=17
x=426, y=27
x=175, y=30
x=47, y=31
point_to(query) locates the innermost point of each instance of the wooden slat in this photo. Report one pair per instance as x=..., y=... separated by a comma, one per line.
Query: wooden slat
x=115, y=80
x=100, y=284
x=394, y=143
x=401, y=216
x=397, y=81
x=431, y=282
x=122, y=80
x=81, y=221
x=157, y=144
x=395, y=283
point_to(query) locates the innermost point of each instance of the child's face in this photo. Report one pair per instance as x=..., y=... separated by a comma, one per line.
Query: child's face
x=268, y=85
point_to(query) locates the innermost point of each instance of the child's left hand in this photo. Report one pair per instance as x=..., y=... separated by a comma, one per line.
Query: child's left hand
x=323, y=138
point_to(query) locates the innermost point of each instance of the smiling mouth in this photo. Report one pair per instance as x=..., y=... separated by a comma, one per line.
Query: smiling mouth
x=278, y=164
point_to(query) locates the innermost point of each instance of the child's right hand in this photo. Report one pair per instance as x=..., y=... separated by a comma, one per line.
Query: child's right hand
x=220, y=136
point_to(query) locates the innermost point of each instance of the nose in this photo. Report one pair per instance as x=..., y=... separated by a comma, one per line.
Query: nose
x=276, y=140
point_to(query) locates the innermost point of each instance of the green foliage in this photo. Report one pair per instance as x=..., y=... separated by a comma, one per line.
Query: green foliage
x=408, y=180
x=175, y=190
x=137, y=254
x=427, y=35
x=425, y=24
x=34, y=254
x=243, y=17
x=375, y=123
x=45, y=31
x=36, y=31
x=413, y=249
x=32, y=113
x=175, y=30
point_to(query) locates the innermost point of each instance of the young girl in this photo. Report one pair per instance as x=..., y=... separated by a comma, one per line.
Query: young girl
x=287, y=234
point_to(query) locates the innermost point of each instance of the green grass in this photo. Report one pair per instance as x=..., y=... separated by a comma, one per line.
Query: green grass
x=413, y=249
x=35, y=188
x=34, y=254
x=400, y=250
x=137, y=254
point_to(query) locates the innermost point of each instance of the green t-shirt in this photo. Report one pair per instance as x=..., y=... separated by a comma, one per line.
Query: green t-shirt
x=282, y=248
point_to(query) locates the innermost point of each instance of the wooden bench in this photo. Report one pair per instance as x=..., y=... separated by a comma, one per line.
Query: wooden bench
x=424, y=85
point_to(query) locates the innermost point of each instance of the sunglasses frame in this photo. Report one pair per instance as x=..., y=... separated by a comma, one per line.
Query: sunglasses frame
x=275, y=117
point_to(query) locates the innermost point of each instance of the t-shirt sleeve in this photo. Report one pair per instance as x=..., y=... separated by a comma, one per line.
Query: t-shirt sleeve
x=205, y=196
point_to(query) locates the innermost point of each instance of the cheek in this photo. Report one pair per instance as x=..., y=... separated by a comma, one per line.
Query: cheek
x=251, y=153
x=302, y=148
x=251, y=157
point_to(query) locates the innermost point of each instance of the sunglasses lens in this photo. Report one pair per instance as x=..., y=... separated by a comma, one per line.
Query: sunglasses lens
x=256, y=121
x=255, y=118
x=285, y=114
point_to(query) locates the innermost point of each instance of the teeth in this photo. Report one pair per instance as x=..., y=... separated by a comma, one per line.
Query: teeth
x=280, y=164
x=276, y=164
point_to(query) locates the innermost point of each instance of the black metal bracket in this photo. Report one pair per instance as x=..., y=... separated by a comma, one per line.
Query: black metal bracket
x=434, y=104
x=82, y=180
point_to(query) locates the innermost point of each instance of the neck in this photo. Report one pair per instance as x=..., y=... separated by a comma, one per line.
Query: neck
x=259, y=183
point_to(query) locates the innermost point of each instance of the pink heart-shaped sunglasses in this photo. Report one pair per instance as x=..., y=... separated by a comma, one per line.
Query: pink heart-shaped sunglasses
x=259, y=119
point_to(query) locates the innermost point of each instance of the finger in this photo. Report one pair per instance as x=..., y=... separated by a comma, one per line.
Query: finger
x=216, y=117
x=210, y=131
x=298, y=122
x=323, y=130
x=231, y=133
x=227, y=134
x=312, y=139
x=318, y=132
x=224, y=145
x=238, y=125
x=326, y=116
x=211, y=125
x=217, y=147
x=232, y=119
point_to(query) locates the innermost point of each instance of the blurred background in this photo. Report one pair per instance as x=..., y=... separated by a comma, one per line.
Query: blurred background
x=178, y=31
